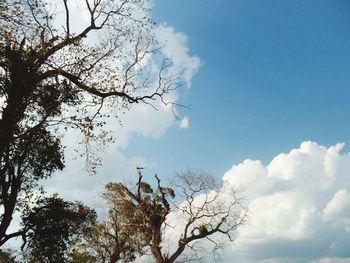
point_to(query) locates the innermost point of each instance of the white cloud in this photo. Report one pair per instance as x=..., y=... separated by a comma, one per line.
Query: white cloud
x=144, y=120
x=299, y=206
x=175, y=47
x=332, y=260
x=338, y=209
x=339, y=206
x=184, y=123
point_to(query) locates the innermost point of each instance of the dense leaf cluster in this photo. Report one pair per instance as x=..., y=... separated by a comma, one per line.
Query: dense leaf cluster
x=53, y=226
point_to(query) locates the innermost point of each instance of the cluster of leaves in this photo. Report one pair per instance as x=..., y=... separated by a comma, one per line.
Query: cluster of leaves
x=52, y=227
x=7, y=256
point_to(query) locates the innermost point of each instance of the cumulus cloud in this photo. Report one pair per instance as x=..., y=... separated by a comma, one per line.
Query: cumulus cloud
x=338, y=209
x=299, y=206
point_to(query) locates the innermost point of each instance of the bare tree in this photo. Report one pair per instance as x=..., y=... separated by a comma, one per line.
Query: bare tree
x=209, y=211
x=56, y=75
x=206, y=213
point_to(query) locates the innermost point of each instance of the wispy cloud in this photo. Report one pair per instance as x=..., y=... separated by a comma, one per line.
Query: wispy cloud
x=184, y=123
x=175, y=47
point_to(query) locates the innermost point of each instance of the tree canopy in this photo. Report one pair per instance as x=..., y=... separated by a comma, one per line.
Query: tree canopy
x=52, y=227
x=57, y=74
x=6, y=256
x=139, y=219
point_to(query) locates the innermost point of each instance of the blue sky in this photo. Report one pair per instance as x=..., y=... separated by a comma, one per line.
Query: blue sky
x=274, y=73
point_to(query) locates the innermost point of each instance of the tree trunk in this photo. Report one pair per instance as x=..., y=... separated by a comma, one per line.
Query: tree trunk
x=115, y=255
x=9, y=204
x=155, y=245
x=19, y=86
x=177, y=253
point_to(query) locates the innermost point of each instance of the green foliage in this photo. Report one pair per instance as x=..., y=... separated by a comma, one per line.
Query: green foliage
x=81, y=257
x=6, y=256
x=53, y=225
x=145, y=188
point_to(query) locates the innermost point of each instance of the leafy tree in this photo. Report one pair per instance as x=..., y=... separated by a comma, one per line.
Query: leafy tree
x=6, y=256
x=55, y=75
x=52, y=227
x=121, y=236
x=140, y=218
